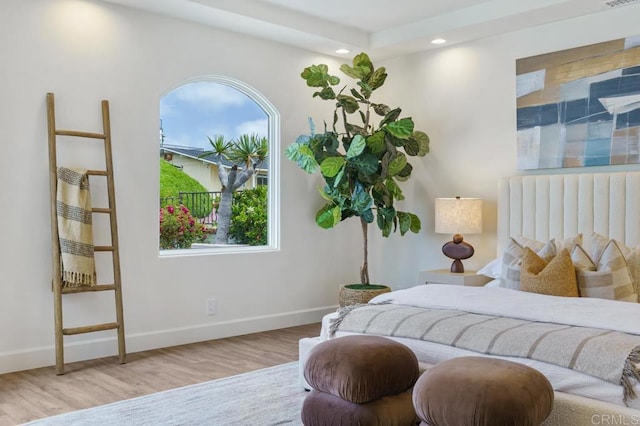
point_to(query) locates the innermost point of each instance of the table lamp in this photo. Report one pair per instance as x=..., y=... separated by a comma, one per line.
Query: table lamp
x=457, y=216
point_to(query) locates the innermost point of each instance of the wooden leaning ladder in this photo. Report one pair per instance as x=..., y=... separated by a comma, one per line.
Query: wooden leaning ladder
x=58, y=289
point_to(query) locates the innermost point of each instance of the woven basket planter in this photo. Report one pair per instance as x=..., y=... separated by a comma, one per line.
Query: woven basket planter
x=348, y=296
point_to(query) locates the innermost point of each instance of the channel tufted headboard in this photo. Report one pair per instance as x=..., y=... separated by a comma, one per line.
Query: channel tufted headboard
x=558, y=206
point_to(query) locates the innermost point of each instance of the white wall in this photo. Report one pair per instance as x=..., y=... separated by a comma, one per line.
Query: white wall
x=464, y=98
x=87, y=51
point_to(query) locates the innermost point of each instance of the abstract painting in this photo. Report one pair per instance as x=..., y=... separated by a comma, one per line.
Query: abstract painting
x=580, y=107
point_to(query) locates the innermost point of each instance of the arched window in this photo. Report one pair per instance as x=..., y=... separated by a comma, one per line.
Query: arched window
x=219, y=151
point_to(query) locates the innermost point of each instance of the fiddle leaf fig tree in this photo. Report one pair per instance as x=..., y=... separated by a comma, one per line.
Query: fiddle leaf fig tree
x=363, y=155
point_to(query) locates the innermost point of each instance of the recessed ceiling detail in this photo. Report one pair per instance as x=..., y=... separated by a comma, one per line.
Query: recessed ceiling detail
x=371, y=25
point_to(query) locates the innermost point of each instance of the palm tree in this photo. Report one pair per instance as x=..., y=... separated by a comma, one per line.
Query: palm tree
x=247, y=150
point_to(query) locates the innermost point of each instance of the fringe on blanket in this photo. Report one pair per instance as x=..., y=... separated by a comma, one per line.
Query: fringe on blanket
x=78, y=279
x=630, y=374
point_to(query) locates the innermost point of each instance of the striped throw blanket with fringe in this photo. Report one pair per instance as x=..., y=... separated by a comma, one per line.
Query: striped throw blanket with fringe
x=609, y=355
x=75, y=229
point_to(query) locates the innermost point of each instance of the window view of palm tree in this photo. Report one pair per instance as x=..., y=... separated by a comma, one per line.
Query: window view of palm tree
x=214, y=168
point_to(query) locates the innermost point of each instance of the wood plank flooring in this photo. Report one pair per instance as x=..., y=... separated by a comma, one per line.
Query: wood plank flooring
x=32, y=394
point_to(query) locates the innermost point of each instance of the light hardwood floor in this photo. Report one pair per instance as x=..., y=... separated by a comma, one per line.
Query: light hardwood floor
x=33, y=394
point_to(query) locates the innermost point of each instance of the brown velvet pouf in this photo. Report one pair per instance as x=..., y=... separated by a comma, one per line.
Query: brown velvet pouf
x=360, y=380
x=477, y=391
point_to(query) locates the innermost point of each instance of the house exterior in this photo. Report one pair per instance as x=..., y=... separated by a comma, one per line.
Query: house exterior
x=205, y=169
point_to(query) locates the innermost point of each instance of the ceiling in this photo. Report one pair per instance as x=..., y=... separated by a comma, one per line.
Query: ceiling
x=383, y=28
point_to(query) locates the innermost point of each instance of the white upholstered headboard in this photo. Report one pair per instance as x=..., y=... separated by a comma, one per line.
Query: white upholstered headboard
x=559, y=206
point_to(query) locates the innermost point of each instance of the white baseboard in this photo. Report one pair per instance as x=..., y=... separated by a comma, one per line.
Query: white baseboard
x=44, y=356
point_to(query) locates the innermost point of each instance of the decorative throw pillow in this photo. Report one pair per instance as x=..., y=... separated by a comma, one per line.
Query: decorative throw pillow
x=510, y=277
x=631, y=255
x=608, y=278
x=556, y=277
x=536, y=246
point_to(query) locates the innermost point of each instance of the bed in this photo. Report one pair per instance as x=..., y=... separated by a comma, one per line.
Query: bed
x=539, y=208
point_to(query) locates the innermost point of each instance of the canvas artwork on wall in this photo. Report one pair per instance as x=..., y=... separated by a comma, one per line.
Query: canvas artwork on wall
x=580, y=107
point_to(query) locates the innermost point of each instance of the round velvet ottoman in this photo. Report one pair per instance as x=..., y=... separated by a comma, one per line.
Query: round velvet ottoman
x=360, y=380
x=475, y=391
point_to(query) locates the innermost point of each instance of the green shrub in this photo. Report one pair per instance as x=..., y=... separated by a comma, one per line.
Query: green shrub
x=173, y=181
x=249, y=217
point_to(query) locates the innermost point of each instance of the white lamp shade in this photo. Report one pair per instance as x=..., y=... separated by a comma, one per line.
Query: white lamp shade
x=458, y=215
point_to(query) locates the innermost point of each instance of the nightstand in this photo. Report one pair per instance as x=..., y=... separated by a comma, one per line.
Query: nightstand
x=444, y=276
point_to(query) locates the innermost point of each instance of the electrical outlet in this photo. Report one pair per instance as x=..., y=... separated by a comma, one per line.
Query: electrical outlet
x=212, y=307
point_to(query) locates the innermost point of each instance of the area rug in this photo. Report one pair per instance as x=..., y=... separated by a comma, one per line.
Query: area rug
x=267, y=397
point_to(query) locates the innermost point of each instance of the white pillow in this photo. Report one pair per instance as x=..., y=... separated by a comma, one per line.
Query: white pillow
x=510, y=276
x=492, y=269
x=631, y=255
x=493, y=283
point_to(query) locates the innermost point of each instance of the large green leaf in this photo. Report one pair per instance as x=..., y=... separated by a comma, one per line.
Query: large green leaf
x=386, y=220
x=326, y=93
x=408, y=222
x=381, y=109
x=395, y=165
x=361, y=69
x=423, y=142
x=362, y=60
x=335, y=196
x=394, y=189
x=381, y=195
x=361, y=200
x=401, y=129
x=328, y=216
x=303, y=156
x=395, y=141
x=375, y=142
x=331, y=166
x=357, y=95
x=354, y=72
x=318, y=76
x=349, y=103
x=404, y=222
x=415, y=223
x=325, y=141
x=367, y=216
x=366, y=163
x=377, y=78
x=391, y=116
x=405, y=173
x=358, y=143
x=365, y=89
x=411, y=147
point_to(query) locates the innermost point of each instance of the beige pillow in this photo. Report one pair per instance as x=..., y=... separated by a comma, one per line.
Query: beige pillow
x=556, y=277
x=631, y=255
x=510, y=277
x=608, y=278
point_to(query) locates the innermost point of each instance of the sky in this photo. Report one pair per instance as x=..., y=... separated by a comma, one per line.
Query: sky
x=194, y=111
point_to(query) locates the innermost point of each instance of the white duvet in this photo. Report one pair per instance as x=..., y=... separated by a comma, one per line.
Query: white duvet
x=586, y=312
x=581, y=311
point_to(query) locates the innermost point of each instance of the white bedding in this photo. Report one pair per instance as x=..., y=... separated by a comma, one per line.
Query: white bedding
x=587, y=312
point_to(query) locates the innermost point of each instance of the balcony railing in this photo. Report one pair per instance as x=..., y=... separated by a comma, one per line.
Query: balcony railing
x=199, y=203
